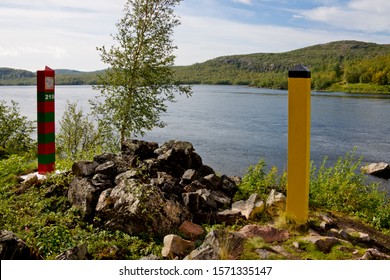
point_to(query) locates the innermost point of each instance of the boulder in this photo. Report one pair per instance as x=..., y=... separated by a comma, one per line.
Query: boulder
x=191, y=201
x=267, y=233
x=228, y=186
x=104, y=158
x=374, y=254
x=219, y=245
x=77, y=253
x=13, y=248
x=190, y=230
x=276, y=202
x=175, y=246
x=323, y=243
x=188, y=176
x=381, y=170
x=141, y=149
x=108, y=168
x=250, y=207
x=229, y=217
x=138, y=208
x=84, y=168
x=84, y=195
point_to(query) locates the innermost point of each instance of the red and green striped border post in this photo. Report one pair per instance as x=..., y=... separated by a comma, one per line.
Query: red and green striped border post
x=46, y=124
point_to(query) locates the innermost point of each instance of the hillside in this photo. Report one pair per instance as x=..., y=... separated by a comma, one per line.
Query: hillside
x=332, y=65
x=9, y=76
x=349, y=66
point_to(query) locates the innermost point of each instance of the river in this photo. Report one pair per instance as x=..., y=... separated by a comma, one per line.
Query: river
x=233, y=127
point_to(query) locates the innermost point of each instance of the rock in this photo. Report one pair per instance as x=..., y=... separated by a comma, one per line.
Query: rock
x=206, y=200
x=228, y=186
x=381, y=170
x=101, y=181
x=104, y=158
x=108, y=168
x=229, y=217
x=83, y=195
x=374, y=254
x=190, y=230
x=250, y=207
x=150, y=257
x=222, y=200
x=191, y=201
x=14, y=248
x=77, y=253
x=327, y=222
x=175, y=246
x=213, y=181
x=205, y=170
x=323, y=243
x=188, y=176
x=130, y=174
x=141, y=149
x=84, y=168
x=185, y=147
x=30, y=181
x=276, y=202
x=267, y=233
x=219, y=245
x=104, y=201
x=137, y=208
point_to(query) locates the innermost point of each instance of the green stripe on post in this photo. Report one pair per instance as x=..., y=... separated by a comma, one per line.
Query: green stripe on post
x=45, y=96
x=46, y=117
x=46, y=138
x=46, y=159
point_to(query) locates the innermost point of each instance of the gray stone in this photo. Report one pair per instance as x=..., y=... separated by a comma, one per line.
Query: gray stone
x=221, y=199
x=14, y=248
x=381, y=170
x=206, y=200
x=276, y=203
x=267, y=233
x=84, y=168
x=219, y=245
x=83, y=195
x=77, y=253
x=138, y=208
x=374, y=254
x=175, y=246
x=323, y=243
x=141, y=149
x=108, y=168
x=250, y=207
x=213, y=181
x=229, y=217
x=189, y=176
x=191, y=201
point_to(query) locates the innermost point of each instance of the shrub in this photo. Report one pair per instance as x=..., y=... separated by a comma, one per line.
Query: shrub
x=257, y=180
x=344, y=188
x=15, y=130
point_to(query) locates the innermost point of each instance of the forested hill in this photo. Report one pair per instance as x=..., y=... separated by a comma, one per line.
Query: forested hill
x=9, y=76
x=349, y=66
x=341, y=65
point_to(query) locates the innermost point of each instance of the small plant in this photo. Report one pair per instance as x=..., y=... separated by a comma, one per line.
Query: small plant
x=15, y=130
x=344, y=188
x=257, y=180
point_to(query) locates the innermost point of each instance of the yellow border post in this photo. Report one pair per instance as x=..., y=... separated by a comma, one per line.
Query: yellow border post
x=298, y=159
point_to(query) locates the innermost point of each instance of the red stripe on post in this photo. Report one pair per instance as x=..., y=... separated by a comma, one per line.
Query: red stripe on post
x=46, y=149
x=46, y=168
x=46, y=107
x=46, y=127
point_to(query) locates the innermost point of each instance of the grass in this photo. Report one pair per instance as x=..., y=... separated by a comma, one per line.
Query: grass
x=42, y=216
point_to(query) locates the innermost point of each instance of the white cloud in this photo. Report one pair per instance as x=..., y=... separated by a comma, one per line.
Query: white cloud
x=358, y=15
x=202, y=38
x=246, y=2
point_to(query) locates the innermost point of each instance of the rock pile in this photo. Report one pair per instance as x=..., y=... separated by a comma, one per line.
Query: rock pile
x=150, y=189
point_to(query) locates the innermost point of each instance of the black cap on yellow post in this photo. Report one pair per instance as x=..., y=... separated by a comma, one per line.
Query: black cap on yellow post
x=298, y=158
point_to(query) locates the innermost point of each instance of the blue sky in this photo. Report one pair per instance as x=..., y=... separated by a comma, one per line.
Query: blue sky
x=65, y=34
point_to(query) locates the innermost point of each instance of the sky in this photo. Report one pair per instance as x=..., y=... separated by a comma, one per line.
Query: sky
x=64, y=34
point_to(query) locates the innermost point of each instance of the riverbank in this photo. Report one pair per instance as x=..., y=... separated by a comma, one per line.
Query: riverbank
x=106, y=208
